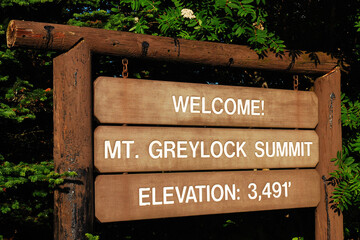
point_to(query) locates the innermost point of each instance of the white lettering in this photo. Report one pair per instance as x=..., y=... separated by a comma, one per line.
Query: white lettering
x=203, y=110
x=267, y=149
x=226, y=149
x=169, y=146
x=166, y=195
x=182, y=196
x=213, y=105
x=142, y=196
x=213, y=193
x=254, y=107
x=154, y=202
x=227, y=104
x=259, y=149
x=285, y=149
x=127, y=144
x=191, y=195
x=212, y=151
x=294, y=150
x=192, y=104
x=180, y=148
x=108, y=150
x=202, y=148
x=200, y=187
x=308, y=148
x=244, y=109
x=239, y=148
x=159, y=155
x=180, y=103
x=230, y=192
x=283, y=152
x=193, y=148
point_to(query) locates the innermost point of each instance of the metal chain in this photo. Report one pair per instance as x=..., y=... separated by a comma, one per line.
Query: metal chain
x=125, y=72
x=296, y=82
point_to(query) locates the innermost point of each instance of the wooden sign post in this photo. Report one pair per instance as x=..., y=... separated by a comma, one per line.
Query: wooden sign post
x=73, y=202
x=328, y=223
x=189, y=144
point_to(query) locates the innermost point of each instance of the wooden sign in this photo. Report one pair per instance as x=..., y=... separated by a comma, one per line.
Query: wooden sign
x=130, y=101
x=140, y=149
x=133, y=101
x=146, y=196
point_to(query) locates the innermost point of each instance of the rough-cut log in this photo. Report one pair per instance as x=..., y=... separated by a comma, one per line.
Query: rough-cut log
x=63, y=37
x=73, y=207
x=328, y=223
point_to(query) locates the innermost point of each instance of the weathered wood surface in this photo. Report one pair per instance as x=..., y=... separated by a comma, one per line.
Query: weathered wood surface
x=328, y=224
x=63, y=37
x=146, y=196
x=134, y=101
x=73, y=200
x=140, y=149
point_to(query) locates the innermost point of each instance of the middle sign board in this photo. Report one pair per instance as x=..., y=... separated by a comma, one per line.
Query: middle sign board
x=141, y=149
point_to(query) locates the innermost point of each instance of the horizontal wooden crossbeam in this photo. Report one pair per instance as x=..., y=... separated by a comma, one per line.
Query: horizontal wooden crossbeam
x=64, y=37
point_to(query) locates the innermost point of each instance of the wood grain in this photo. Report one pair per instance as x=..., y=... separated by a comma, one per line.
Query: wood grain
x=134, y=101
x=73, y=200
x=328, y=223
x=125, y=44
x=148, y=151
x=141, y=196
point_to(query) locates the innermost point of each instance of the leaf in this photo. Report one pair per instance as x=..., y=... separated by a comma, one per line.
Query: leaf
x=220, y=3
x=233, y=5
x=228, y=11
x=192, y=24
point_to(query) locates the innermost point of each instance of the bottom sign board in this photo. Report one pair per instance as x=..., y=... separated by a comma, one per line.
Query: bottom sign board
x=161, y=195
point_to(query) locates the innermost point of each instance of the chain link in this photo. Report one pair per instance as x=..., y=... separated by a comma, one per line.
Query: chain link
x=296, y=82
x=125, y=72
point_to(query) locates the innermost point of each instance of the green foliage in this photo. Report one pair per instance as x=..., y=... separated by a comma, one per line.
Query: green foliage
x=212, y=20
x=10, y=3
x=350, y=118
x=20, y=101
x=357, y=22
x=350, y=112
x=89, y=236
x=346, y=196
x=26, y=193
x=347, y=179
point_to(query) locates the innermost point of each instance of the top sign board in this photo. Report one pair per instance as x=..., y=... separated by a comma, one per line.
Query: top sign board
x=134, y=101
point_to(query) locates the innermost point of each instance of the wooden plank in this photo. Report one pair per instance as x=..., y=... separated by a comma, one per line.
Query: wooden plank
x=140, y=149
x=63, y=37
x=146, y=196
x=328, y=223
x=134, y=101
x=73, y=200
